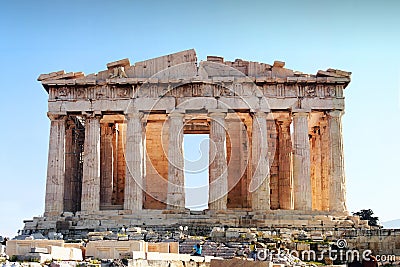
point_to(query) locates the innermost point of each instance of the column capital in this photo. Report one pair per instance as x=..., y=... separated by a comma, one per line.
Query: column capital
x=260, y=114
x=300, y=113
x=335, y=113
x=55, y=116
x=93, y=115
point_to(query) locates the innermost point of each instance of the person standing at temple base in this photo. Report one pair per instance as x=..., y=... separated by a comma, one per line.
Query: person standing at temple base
x=370, y=261
x=197, y=250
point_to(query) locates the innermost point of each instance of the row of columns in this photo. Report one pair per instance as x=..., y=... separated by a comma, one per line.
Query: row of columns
x=299, y=196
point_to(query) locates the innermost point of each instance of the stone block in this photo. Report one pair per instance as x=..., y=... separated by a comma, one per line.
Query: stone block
x=153, y=255
x=76, y=254
x=21, y=247
x=39, y=257
x=73, y=245
x=197, y=258
x=111, y=249
x=39, y=250
x=119, y=63
x=232, y=234
x=158, y=247
x=279, y=64
x=174, y=257
x=173, y=247
x=65, y=254
x=136, y=255
x=209, y=258
x=50, y=75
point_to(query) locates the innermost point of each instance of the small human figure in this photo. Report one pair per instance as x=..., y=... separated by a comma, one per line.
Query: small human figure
x=370, y=261
x=197, y=250
x=253, y=250
x=83, y=248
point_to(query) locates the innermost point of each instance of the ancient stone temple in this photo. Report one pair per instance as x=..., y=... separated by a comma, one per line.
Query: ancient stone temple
x=116, y=153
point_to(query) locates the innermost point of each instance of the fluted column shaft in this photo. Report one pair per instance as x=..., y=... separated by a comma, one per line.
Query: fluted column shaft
x=316, y=168
x=301, y=162
x=325, y=164
x=134, y=155
x=337, y=201
x=218, y=169
x=285, y=165
x=91, y=165
x=259, y=185
x=176, y=178
x=54, y=201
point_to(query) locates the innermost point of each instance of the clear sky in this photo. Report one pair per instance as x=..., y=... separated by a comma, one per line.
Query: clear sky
x=358, y=36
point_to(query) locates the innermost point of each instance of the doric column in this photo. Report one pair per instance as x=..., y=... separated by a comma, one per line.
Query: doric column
x=259, y=185
x=301, y=162
x=133, y=199
x=337, y=202
x=54, y=202
x=285, y=164
x=325, y=163
x=218, y=169
x=176, y=178
x=91, y=165
x=316, y=170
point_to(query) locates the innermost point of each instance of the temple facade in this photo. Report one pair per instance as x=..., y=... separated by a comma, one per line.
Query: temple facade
x=116, y=138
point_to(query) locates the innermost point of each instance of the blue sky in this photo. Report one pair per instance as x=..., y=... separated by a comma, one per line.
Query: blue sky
x=358, y=36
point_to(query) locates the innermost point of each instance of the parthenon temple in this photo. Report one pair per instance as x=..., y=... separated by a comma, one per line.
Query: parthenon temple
x=116, y=141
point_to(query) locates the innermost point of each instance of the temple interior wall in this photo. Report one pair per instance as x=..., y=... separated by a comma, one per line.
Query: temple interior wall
x=74, y=140
x=237, y=146
x=156, y=174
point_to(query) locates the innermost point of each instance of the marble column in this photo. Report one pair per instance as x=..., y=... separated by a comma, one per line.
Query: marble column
x=337, y=202
x=54, y=200
x=218, y=169
x=325, y=163
x=134, y=149
x=316, y=168
x=285, y=164
x=90, y=200
x=259, y=186
x=301, y=162
x=176, y=176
